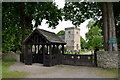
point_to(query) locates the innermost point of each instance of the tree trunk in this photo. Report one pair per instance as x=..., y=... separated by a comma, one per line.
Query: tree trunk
x=109, y=26
x=114, y=48
x=22, y=23
x=104, y=11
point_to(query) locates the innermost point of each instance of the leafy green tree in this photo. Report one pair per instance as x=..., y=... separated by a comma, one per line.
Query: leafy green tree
x=11, y=39
x=78, y=12
x=83, y=43
x=17, y=20
x=95, y=42
x=62, y=32
x=94, y=36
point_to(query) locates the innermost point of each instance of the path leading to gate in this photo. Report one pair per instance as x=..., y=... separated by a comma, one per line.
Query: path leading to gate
x=61, y=71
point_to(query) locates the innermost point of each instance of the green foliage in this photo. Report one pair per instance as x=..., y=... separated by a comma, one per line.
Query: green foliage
x=78, y=12
x=11, y=39
x=83, y=43
x=96, y=42
x=93, y=30
x=32, y=11
x=62, y=32
x=17, y=20
x=94, y=36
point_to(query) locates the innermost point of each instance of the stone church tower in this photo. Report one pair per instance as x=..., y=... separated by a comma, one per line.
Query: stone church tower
x=72, y=38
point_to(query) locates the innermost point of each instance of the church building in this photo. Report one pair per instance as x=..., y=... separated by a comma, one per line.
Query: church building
x=72, y=38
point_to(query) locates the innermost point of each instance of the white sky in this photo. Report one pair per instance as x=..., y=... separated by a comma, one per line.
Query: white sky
x=64, y=24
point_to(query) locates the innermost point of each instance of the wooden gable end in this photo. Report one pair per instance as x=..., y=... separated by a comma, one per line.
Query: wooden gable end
x=36, y=38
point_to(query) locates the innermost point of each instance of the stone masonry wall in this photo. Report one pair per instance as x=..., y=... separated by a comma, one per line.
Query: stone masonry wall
x=12, y=56
x=108, y=59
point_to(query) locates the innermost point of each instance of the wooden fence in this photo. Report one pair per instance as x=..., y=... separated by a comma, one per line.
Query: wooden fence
x=78, y=59
x=66, y=59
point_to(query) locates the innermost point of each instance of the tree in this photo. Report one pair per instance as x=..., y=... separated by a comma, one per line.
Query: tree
x=60, y=33
x=109, y=26
x=94, y=36
x=17, y=18
x=83, y=43
x=118, y=32
x=11, y=39
x=78, y=12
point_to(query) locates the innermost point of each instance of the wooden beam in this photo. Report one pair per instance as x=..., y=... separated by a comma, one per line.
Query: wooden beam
x=31, y=48
x=53, y=49
x=37, y=38
x=35, y=49
x=43, y=54
x=38, y=49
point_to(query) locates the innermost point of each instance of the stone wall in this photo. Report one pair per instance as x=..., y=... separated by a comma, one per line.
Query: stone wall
x=108, y=59
x=12, y=56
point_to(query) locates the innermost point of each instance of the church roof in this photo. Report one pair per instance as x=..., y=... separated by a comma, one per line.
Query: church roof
x=50, y=36
x=62, y=37
x=72, y=28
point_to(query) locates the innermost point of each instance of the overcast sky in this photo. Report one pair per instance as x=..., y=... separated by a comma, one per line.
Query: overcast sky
x=64, y=24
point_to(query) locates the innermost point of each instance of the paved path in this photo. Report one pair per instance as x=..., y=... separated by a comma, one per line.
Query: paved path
x=61, y=71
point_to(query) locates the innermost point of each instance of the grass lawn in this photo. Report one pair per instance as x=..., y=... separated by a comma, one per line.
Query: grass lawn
x=11, y=74
x=110, y=72
x=81, y=52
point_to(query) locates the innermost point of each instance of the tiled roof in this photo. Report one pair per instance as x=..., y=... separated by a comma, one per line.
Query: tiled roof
x=50, y=36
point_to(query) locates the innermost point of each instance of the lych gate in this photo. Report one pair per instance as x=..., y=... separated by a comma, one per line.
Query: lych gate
x=43, y=47
x=47, y=48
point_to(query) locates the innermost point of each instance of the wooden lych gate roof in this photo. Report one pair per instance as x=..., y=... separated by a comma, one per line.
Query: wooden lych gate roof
x=49, y=36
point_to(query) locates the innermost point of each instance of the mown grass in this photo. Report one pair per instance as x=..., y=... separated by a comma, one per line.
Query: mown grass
x=105, y=72
x=112, y=72
x=81, y=52
x=11, y=74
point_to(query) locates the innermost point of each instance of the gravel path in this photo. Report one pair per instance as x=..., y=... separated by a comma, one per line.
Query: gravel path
x=60, y=71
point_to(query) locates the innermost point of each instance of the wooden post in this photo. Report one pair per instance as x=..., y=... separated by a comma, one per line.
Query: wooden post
x=38, y=49
x=31, y=53
x=50, y=55
x=28, y=56
x=95, y=57
x=25, y=53
x=35, y=49
x=75, y=57
x=43, y=54
x=58, y=55
x=62, y=48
